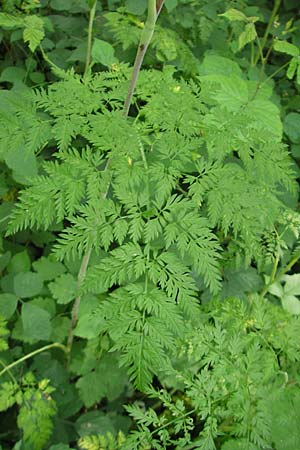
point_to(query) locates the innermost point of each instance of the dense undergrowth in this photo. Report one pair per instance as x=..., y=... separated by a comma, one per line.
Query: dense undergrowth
x=149, y=244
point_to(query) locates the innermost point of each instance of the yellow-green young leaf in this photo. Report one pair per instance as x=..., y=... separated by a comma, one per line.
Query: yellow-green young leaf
x=292, y=68
x=10, y=21
x=33, y=32
x=98, y=441
x=248, y=35
x=7, y=395
x=35, y=418
x=30, y=5
x=286, y=47
x=235, y=15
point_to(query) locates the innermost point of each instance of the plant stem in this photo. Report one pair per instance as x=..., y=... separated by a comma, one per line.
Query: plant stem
x=272, y=279
x=30, y=355
x=143, y=155
x=80, y=278
x=283, y=271
x=154, y=8
x=90, y=35
x=173, y=421
x=270, y=49
x=9, y=372
x=260, y=52
x=274, y=270
x=252, y=53
x=262, y=70
x=60, y=73
x=287, y=268
x=269, y=26
x=159, y=5
x=276, y=72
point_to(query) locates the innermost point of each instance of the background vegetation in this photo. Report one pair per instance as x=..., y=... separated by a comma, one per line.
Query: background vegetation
x=149, y=293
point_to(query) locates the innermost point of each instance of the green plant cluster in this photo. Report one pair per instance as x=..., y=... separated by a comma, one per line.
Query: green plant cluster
x=149, y=221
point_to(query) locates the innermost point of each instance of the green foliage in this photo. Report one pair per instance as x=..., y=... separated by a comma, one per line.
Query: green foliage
x=238, y=370
x=35, y=408
x=27, y=284
x=47, y=268
x=8, y=304
x=103, y=53
x=149, y=261
x=249, y=33
x=101, y=379
x=63, y=288
x=3, y=334
x=36, y=411
x=32, y=25
x=170, y=237
x=25, y=134
x=292, y=50
x=291, y=126
x=7, y=395
x=288, y=403
x=288, y=293
x=36, y=322
x=108, y=442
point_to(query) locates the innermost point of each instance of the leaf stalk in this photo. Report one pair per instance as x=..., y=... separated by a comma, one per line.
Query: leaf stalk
x=90, y=36
x=154, y=8
x=267, y=31
x=30, y=355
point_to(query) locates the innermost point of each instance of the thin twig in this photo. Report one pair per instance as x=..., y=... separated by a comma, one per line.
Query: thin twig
x=268, y=29
x=90, y=36
x=80, y=279
x=275, y=278
x=9, y=372
x=30, y=355
x=154, y=8
x=75, y=309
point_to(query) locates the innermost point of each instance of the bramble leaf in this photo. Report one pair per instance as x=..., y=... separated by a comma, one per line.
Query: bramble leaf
x=36, y=322
x=103, y=53
x=63, y=288
x=27, y=284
